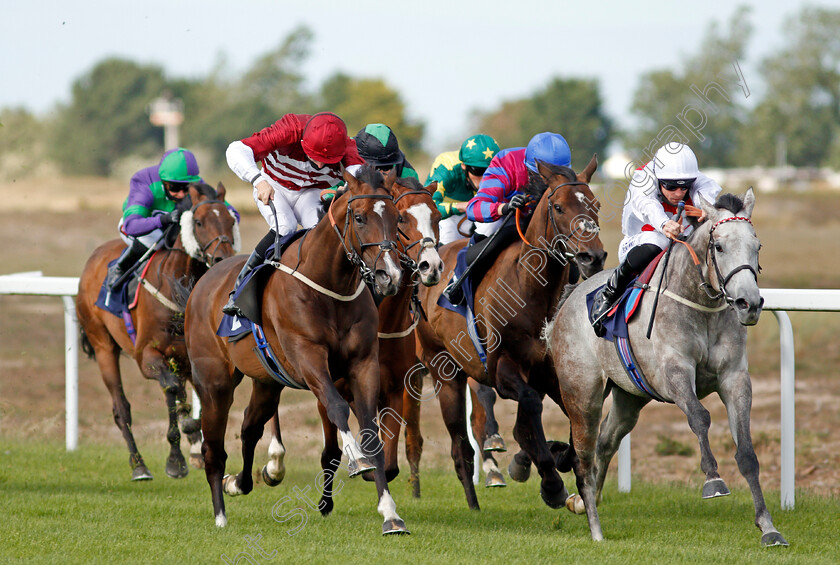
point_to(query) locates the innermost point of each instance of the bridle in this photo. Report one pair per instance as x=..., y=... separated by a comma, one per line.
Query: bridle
x=425, y=243
x=722, y=280
x=352, y=255
x=218, y=240
x=558, y=236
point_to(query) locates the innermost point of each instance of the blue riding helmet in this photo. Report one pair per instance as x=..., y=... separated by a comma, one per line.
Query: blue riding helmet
x=549, y=148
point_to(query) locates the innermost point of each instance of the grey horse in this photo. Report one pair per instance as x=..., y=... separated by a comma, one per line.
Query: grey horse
x=697, y=346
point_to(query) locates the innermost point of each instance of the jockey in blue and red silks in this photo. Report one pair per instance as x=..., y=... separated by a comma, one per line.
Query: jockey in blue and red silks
x=500, y=191
x=151, y=206
x=301, y=155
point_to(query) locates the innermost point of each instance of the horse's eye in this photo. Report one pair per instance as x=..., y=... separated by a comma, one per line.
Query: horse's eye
x=558, y=208
x=401, y=219
x=359, y=219
x=718, y=247
x=198, y=223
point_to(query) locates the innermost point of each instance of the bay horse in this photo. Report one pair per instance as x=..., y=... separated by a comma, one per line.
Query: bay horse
x=208, y=234
x=321, y=323
x=698, y=345
x=512, y=302
x=398, y=316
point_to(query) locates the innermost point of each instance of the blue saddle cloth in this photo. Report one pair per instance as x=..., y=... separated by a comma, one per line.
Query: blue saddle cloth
x=119, y=301
x=466, y=308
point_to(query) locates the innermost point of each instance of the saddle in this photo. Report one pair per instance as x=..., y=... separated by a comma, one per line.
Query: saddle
x=123, y=298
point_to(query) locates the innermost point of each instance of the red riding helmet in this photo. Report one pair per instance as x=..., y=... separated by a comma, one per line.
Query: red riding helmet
x=325, y=138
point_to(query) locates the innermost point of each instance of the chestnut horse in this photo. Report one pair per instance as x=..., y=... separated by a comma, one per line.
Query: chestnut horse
x=512, y=303
x=320, y=321
x=208, y=234
x=697, y=346
x=398, y=316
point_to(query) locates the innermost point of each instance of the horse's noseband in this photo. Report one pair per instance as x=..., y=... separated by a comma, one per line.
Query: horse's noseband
x=352, y=255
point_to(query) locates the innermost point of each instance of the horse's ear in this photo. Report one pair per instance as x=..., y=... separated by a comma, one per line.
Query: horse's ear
x=543, y=170
x=390, y=179
x=352, y=183
x=195, y=195
x=749, y=202
x=710, y=210
x=586, y=174
x=432, y=187
x=220, y=191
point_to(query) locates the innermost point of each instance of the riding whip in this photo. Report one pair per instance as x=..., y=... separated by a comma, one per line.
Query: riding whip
x=675, y=218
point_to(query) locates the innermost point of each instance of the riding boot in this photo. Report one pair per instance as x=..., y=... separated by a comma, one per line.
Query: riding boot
x=129, y=257
x=608, y=294
x=256, y=259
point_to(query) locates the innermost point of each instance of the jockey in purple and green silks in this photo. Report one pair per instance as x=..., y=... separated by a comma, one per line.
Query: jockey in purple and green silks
x=151, y=206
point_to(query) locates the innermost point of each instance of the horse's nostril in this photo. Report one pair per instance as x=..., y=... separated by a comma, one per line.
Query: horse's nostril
x=216, y=260
x=585, y=258
x=741, y=304
x=423, y=266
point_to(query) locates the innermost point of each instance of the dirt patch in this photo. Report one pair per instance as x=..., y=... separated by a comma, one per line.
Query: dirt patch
x=59, y=242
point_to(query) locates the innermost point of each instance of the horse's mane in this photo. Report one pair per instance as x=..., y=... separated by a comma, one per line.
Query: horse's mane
x=411, y=183
x=369, y=175
x=537, y=186
x=729, y=202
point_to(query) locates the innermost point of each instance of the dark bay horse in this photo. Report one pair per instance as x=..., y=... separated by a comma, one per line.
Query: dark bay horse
x=321, y=322
x=398, y=316
x=513, y=301
x=208, y=234
x=697, y=346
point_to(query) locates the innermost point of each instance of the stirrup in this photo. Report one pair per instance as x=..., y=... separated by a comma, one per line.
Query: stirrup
x=454, y=293
x=231, y=309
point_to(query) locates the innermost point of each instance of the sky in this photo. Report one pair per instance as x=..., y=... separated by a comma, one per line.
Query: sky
x=445, y=58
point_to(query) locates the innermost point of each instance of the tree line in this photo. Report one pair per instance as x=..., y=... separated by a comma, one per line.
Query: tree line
x=790, y=112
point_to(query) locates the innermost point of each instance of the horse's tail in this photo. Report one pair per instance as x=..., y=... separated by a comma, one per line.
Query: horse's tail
x=87, y=347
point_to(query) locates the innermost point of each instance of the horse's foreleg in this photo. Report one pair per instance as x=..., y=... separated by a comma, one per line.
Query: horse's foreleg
x=736, y=394
x=452, y=398
x=413, y=438
x=109, y=365
x=366, y=393
x=330, y=461
x=274, y=471
x=166, y=371
x=528, y=431
x=263, y=404
x=699, y=420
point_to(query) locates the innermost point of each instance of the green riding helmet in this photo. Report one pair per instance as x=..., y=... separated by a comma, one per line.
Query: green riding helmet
x=179, y=165
x=478, y=150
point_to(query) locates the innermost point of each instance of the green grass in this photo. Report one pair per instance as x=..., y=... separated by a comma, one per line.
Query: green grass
x=80, y=508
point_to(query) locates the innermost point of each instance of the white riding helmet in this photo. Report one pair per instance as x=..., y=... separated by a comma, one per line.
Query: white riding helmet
x=675, y=161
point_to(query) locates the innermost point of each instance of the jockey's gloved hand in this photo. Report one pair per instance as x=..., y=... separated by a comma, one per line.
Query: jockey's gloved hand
x=517, y=202
x=172, y=217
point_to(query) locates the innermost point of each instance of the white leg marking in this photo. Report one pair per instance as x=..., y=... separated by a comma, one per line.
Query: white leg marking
x=221, y=520
x=276, y=453
x=489, y=465
x=387, y=507
x=351, y=448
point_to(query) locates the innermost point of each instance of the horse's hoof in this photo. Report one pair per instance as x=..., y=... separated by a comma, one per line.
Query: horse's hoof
x=554, y=500
x=177, y=468
x=141, y=473
x=714, y=488
x=197, y=460
x=575, y=505
x=518, y=472
x=229, y=486
x=269, y=480
x=395, y=526
x=495, y=479
x=495, y=443
x=772, y=539
x=358, y=466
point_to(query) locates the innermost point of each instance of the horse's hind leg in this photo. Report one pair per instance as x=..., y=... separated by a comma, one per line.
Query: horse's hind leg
x=263, y=404
x=620, y=420
x=412, y=399
x=107, y=357
x=736, y=396
x=171, y=382
x=274, y=471
x=452, y=398
x=486, y=432
x=190, y=427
